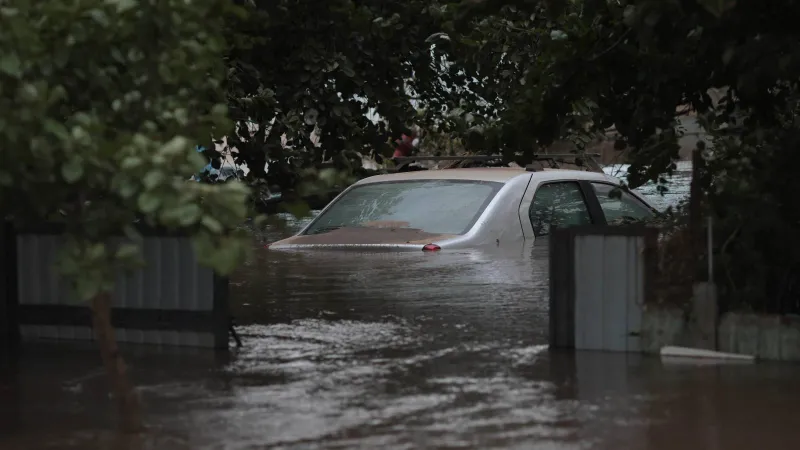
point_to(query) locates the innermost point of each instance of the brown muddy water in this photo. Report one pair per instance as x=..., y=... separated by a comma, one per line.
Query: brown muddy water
x=397, y=351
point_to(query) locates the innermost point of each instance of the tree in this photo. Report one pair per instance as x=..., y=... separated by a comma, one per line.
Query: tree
x=102, y=105
x=328, y=68
x=515, y=76
x=548, y=70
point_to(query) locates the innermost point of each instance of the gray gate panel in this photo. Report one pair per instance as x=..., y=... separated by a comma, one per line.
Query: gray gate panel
x=602, y=284
x=589, y=286
x=172, y=301
x=608, y=272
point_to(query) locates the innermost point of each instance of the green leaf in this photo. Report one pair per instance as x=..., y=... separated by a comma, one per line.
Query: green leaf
x=189, y=214
x=99, y=16
x=153, y=178
x=220, y=109
x=95, y=251
x=56, y=128
x=728, y=54
x=347, y=69
x=148, y=202
x=86, y=288
x=184, y=215
x=298, y=209
x=203, y=246
x=127, y=188
x=72, y=170
x=131, y=162
x=717, y=7
x=132, y=233
x=196, y=162
x=10, y=64
x=260, y=220
x=127, y=251
x=224, y=256
x=175, y=146
x=211, y=224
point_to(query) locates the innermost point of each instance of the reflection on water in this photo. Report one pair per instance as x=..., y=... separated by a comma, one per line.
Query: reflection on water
x=402, y=350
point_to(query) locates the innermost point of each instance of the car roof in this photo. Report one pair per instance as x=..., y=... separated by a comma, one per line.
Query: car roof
x=496, y=174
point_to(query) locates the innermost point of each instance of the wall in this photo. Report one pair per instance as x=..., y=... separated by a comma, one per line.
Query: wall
x=767, y=337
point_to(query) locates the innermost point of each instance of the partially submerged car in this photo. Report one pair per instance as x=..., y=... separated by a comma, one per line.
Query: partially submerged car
x=465, y=208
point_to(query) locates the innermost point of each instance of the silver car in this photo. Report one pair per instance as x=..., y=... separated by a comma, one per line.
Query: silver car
x=465, y=208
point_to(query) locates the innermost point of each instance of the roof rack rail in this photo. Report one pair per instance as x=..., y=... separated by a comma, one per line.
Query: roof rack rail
x=403, y=161
x=578, y=159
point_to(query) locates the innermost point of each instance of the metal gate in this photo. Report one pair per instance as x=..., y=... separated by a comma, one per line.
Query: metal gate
x=600, y=276
x=172, y=301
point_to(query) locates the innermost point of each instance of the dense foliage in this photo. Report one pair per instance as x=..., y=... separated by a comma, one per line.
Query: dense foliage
x=102, y=103
x=559, y=69
x=319, y=74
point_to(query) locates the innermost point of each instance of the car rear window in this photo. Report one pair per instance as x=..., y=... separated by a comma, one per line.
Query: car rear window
x=433, y=206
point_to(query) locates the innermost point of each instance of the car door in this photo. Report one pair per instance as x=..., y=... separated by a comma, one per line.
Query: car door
x=558, y=203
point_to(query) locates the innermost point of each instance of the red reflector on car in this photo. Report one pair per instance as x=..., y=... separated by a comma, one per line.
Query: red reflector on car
x=431, y=248
x=266, y=246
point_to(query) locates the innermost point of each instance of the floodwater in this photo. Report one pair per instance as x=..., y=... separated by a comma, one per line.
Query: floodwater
x=398, y=351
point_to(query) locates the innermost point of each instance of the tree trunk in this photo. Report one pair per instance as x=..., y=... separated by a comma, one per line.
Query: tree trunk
x=128, y=407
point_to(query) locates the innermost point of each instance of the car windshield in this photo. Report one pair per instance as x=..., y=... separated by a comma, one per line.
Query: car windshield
x=433, y=206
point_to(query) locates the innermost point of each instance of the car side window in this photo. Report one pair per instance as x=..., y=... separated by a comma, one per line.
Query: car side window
x=558, y=205
x=618, y=204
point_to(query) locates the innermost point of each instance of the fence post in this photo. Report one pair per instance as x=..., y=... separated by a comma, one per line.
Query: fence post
x=562, y=288
x=9, y=300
